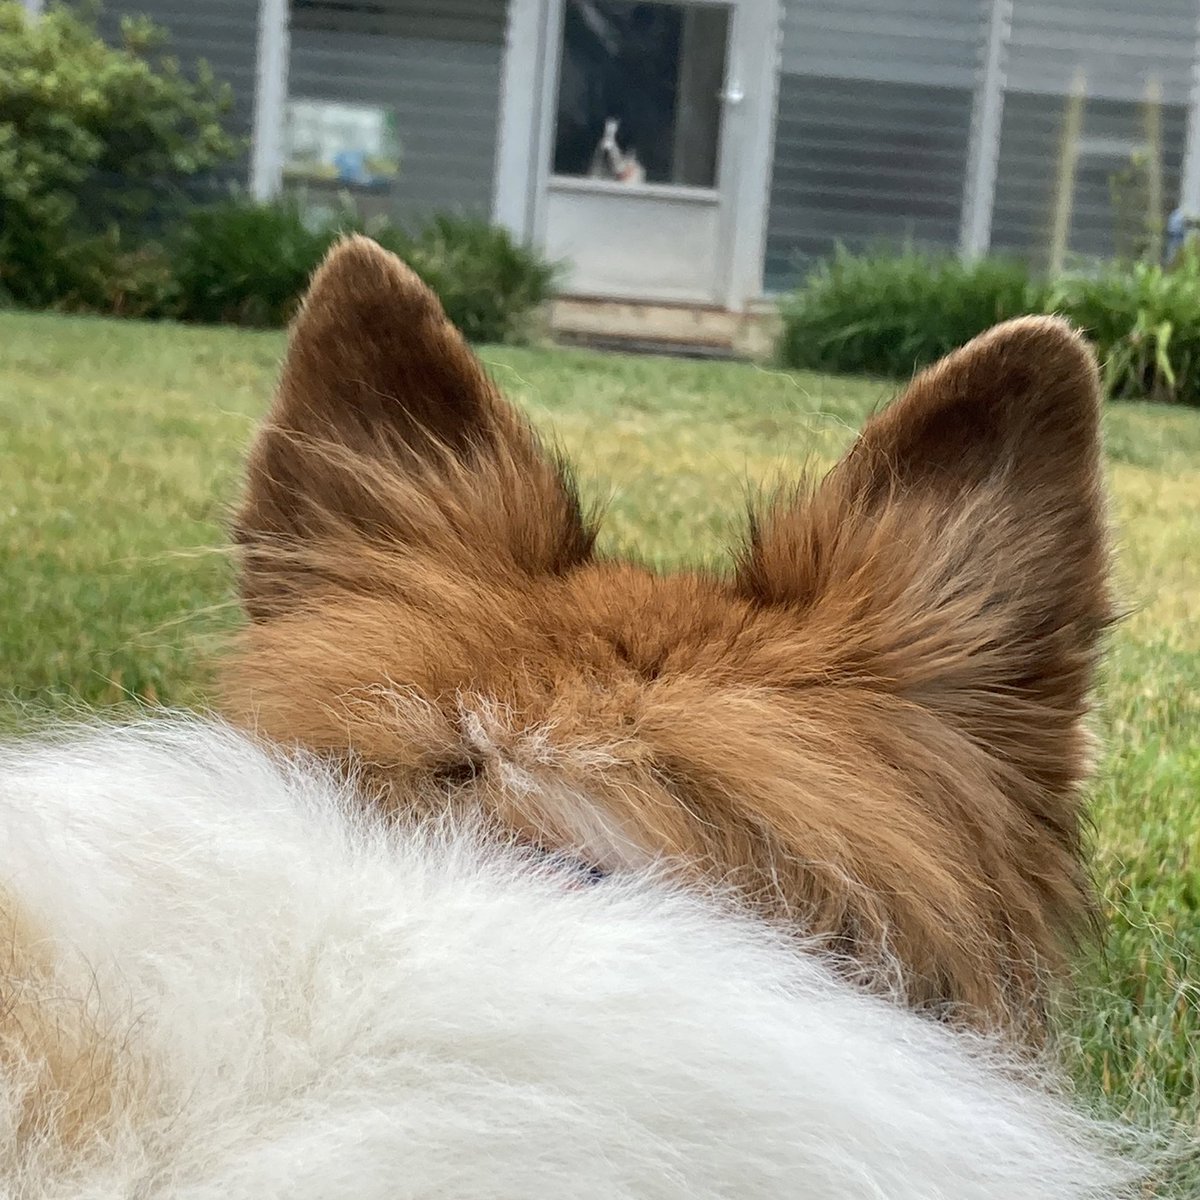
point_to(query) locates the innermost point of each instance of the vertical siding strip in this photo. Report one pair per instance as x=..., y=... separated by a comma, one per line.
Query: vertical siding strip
x=1189, y=187
x=520, y=116
x=983, y=150
x=270, y=100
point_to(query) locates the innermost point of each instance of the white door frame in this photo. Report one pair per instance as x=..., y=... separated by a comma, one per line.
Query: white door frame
x=529, y=88
x=270, y=100
x=520, y=115
x=751, y=193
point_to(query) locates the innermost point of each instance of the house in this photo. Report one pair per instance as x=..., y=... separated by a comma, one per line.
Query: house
x=697, y=154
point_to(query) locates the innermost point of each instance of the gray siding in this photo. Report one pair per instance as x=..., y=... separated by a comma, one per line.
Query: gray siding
x=873, y=125
x=436, y=65
x=1029, y=151
x=875, y=107
x=1121, y=49
x=900, y=41
x=447, y=20
x=223, y=32
x=1119, y=44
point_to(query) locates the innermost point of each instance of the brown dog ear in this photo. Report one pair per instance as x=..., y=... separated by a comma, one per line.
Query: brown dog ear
x=958, y=553
x=386, y=433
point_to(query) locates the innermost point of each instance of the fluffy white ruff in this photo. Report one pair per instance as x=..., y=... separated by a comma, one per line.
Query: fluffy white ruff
x=307, y=1005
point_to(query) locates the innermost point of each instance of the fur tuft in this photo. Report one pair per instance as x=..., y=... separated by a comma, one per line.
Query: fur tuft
x=275, y=994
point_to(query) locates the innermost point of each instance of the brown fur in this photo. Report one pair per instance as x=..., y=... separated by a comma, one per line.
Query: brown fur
x=52, y=1038
x=874, y=726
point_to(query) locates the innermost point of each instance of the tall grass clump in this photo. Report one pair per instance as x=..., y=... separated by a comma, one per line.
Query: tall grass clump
x=887, y=315
x=1145, y=322
x=890, y=315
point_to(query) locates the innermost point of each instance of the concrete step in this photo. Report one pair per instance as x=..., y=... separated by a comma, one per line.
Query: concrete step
x=681, y=329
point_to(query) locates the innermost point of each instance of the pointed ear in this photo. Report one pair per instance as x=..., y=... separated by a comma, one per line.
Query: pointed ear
x=958, y=553
x=386, y=433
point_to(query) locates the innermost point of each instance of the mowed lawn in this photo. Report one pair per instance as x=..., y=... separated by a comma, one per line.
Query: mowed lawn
x=119, y=450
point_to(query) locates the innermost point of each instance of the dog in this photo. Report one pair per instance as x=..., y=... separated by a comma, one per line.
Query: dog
x=523, y=872
x=874, y=729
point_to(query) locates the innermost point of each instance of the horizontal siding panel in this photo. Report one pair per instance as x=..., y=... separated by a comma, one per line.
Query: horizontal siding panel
x=871, y=155
x=931, y=42
x=445, y=96
x=839, y=103
x=1029, y=150
x=837, y=127
x=823, y=228
x=877, y=199
x=889, y=168
x=866, y=168
x=1119, y=46
x=1151, y=17
x=453, y=20
x=930, y=70
x=885, y=22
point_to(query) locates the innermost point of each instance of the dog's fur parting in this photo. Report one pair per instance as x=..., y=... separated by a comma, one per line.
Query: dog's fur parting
x=225, y=981
x=874, y=727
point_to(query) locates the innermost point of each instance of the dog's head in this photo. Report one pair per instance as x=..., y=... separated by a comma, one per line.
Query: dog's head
x=872, y=724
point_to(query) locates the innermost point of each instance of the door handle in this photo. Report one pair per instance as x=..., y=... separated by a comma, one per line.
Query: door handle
x=731, y=93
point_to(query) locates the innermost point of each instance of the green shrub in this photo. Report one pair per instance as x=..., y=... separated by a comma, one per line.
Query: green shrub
x=488, y=284
x=243, y=263
x=879, y=315
x=888, y=315
x=93, y=140
x=1145, y=323
x=248, y=264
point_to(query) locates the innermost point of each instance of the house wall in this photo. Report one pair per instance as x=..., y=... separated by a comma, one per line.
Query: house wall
x=874, y=118
x=1120, y=43
x=436, y=65
x=875, y=109
x=1120, y=48
x=223, y=32
x=875, y=104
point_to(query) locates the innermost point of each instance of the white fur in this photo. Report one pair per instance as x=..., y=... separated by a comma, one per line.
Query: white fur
x=327, y=1009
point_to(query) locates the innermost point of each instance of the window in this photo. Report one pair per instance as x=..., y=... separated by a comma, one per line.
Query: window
x=639, y=97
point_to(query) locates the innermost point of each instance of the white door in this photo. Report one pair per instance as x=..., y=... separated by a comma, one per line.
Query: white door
x=654, y=146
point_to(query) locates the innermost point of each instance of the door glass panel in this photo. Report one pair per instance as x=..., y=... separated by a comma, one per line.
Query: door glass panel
x=639, y=92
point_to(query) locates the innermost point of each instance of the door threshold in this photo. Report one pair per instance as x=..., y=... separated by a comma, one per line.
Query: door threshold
x=615, y=344
x=697, y=330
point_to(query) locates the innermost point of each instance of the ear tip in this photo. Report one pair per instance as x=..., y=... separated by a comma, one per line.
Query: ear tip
x=1051, y=345
x=355, y=250
x=1048, y=328
x=357, y=266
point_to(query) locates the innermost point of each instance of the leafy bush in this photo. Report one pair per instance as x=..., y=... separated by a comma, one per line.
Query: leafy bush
x=487, y=283
x=879, y=315
x=1145, y=323
x=887, y=315
x=92, y=139
x=248, y=264
x=242, y=263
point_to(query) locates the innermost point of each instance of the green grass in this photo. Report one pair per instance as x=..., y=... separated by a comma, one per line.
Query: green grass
x=120, y=445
